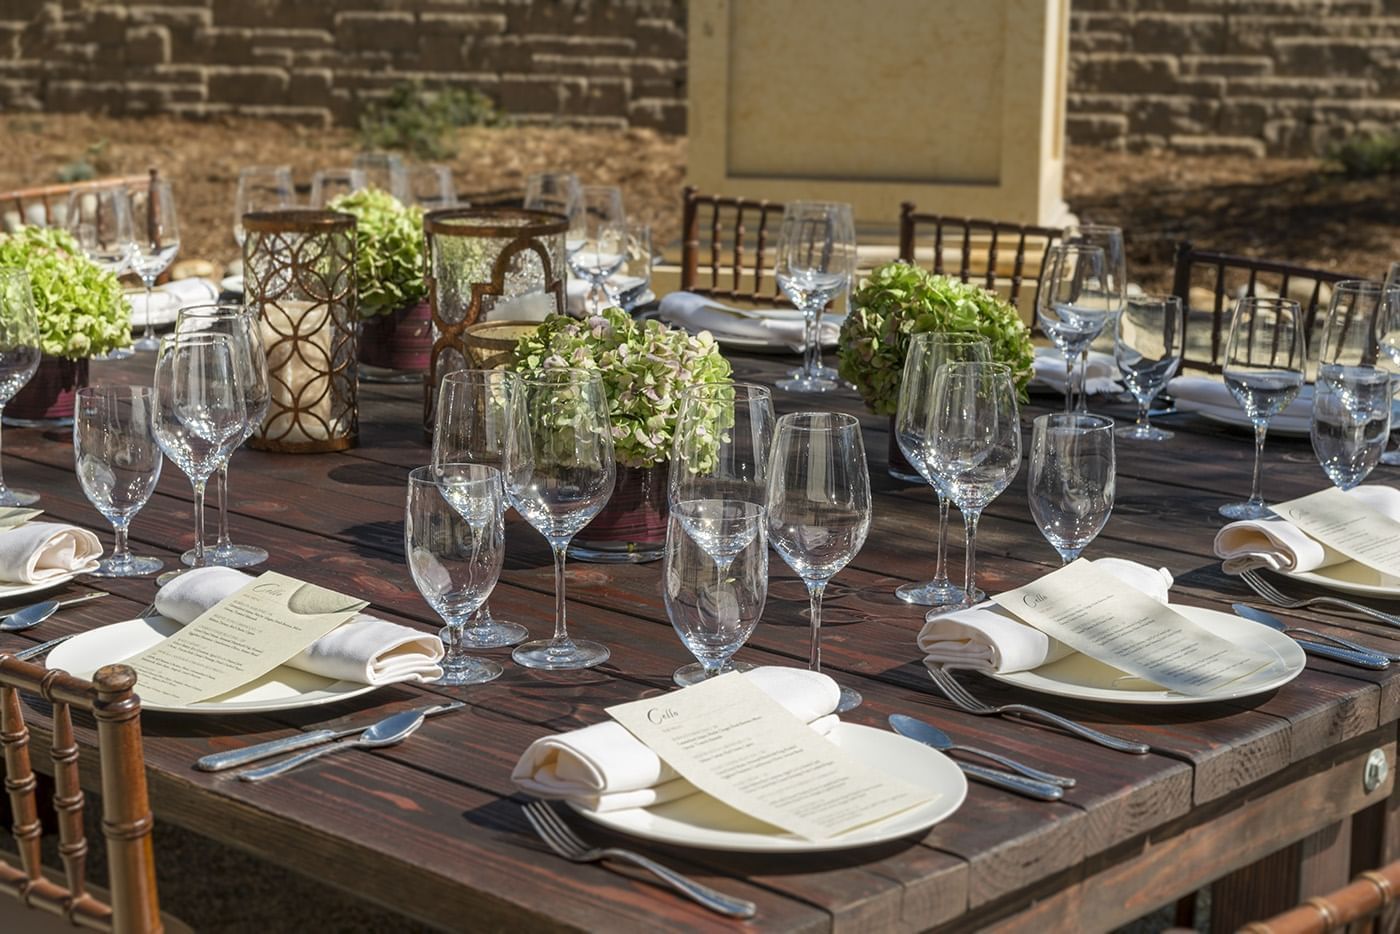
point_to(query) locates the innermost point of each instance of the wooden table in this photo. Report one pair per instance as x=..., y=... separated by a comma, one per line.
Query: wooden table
x=433, y=829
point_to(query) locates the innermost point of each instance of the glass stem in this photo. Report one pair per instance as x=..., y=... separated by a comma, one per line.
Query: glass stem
x=561, y=628
x=1142, y=421
x=454, y=651
x=198, y=523
x=1256, y=491
x=940, y=571
x=815, y=589
x=1081, y=398
x=812, y=349
x=1069, y=382
x=121, y=550
x=224, y=540
x=4, y=490
x=970, y=517
x=149, y=331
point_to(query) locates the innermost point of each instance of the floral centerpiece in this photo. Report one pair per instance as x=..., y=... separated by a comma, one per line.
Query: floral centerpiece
x=644, y=366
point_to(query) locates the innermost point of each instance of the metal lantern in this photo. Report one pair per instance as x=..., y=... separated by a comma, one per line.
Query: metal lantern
x=483, y=264
x=299, y=275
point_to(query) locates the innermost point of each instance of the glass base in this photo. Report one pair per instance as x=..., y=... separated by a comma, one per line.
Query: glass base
x=694, y=673
x=1246, y=510
x=850, y=700
x=1142, y=433
x=933, y=593
x=121, y=353
x=12, y=497
x=474, y=671
x=908, y=476
x=633, y=553
x=147, y=343
x=228, y=556
x=806, y=385
x=490, y=634
x=169, y=576
x=130, y=566
x=563, y=655
x=1391, y=457
x=61, y=422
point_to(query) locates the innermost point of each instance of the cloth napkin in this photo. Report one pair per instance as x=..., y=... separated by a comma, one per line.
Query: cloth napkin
x=605, y=768
x=698, y=313
x=1210, y=393
x=988, y=638
x=172, y=295
x=1049, y=371
x=1279, y=545
x=366, y=649
x=40, y=551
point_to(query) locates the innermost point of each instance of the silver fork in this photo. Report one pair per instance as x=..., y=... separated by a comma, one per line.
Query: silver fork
x=956, y=693
x=1277, y=597
x=560, y=838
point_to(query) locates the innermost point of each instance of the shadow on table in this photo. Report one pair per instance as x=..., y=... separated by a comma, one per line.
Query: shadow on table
x=367, y=474
x=372, y=539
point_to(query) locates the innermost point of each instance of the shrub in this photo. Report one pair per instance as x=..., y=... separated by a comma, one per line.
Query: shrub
x=420, y=121
x=1366, y=156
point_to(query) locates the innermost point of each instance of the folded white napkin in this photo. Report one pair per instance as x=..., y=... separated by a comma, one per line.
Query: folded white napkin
x=367, y=649
x=1280, y=545
x=605, y=768
x=1049, y=370
x=698, y=313
x=988, y=638
x=39, y=551
x=170, y=298
x=576, y=292
x=1205, y=392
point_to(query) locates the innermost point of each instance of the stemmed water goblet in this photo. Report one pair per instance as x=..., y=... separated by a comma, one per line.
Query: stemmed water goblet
x=261, y=188
x=559, y=192
x=429, y=185
x=1149, y=338
x=20, y=353
x=454, y=539
x=913, y=423
x=818, y=506
x=117, y=461
x=559, y=473
x=630, y=284
x=241, y=326
x=1077, y=299
x=1388, y=338
x=1110, y=239
x=1350, y=422
x=1071, y=482
x=816, y=262
x=329, y=184
x=100, y=220
x=156, y=230
x=1265, y=359
x=600, y=247
x=471, y=423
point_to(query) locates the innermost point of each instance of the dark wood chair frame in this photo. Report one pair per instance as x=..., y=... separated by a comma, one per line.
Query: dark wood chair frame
x=1000, y=233
x=723, y=207
x=1369, y=895
x=49, y=195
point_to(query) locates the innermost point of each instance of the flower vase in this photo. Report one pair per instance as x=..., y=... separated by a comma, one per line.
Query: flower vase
x=897, y=464
x=46, y=401
x=631, y=528
x=395, y=347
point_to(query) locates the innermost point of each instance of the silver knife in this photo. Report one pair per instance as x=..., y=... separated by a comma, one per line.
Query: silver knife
x=1349, y=653
x=218, y=761
x=1043, y=791
x=34, y=651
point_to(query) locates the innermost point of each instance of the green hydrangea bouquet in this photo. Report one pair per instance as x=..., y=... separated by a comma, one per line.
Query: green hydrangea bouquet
x=389, y=250
x=82, y=312
x=899, y=299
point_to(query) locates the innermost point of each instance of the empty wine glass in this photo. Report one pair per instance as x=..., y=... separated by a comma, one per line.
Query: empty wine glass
x=472, y=420
x=975, y=443
x=816, y=262
x=1265, y=358
x=631, y=284
x=1077, y=299
x=913, y=423
x=1350, y=422
x=379, y=168
x=559, y=473
x=818, y=506
x=1071, y=479
x=428, y=185
x=601, y=245
x=261, y=188
x=1148, y=342
x=200, y=411
x=454, y=538
x=714, y=609
x=1110, y=239
x=1388, y=337
x=241, y=326
x=329, y=184
x=100, y=220
x=559, y=192
x=117, y=461
x=20, y=353
x=157, y=239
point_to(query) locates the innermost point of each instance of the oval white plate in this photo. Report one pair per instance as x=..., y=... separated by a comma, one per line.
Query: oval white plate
x=1082, y=678
x=19, y=590
x=702, y=822
x=1354, y=578
x=282, y=688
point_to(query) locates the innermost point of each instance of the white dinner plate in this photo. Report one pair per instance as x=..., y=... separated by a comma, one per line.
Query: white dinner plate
x=20, y=590
x=702, y=822
x=777, y=314
x=1352, y=577
x=1083, y=678
x=282, y=688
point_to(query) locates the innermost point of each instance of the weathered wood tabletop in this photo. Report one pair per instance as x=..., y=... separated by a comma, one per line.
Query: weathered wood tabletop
x=432, y=828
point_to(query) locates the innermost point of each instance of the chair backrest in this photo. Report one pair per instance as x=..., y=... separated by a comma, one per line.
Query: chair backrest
x=1371, y=893
x=126, y=814
x=1208, y=283
x=735, y=234
x=979, y=247
x=47, y=206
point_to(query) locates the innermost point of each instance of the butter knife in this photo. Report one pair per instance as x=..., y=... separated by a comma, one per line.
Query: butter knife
x=1350, y=653
x=218, y=761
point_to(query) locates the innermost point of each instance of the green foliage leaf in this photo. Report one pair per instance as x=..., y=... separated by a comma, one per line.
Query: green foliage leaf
x=389, y=250
x=82, y=312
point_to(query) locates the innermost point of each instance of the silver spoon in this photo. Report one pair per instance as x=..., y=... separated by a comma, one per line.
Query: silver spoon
x=386, y=732
x=36, y=613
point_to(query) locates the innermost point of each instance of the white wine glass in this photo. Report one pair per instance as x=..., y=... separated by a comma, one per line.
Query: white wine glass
x=156, y=233
x=117, y=460
x=1350, y=422
x=816, y=262
x=428, y=185
x=100, y=220
x=1072, y=479
x=1149, y=339
x=1110, y=239
x=261, y=188
x=600, y=249
x=1076, y=300
x=20, y=353
x=559, y=192
x=329, y=184
x=1390, y=344
x=714, y=607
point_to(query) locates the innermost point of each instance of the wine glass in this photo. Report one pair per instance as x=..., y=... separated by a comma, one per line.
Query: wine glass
x=818, y=506
x=100, y=220
x=200, y=411
x=975, y=441
x=630, y=284
x=261, y=188
x=1350, y=422
x=1077, y=299
x=816, y=262
x=454, y=537
x=601, y=245
x=558, y=192
x=1149, y=339
x=380, y=168
x=117, y=461
x=429, y=185
x=714, y=608
x=1071, y=479
x=1110, y=238
x=472, y=420
x=559, y=473
x=928, y=352
x=1388, y=337
x=157, y=239
x=329, y=184
x=1265, y=358
x=20, y=353
x=241, y=326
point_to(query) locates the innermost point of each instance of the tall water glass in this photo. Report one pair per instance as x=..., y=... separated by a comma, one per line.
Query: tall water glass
x=471, y=422
x=241, y=326
x=913, y=423
x=819, y=506
x=713, y=609
x=100, y=220
x=816, y=262
x=156, y=230
x=1077, y=299
x=454, y=538
x=20, y=353
x=600, y=247
x=1149, y=339
x=261, y=188
x=1071, y=481
x=117, y=461
x=329, y=184
x=559, y=473
x=1110, y=239
x=1350, y=422
x=1265, y=358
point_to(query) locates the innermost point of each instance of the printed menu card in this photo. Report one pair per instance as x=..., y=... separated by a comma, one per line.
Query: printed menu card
x=240, y=639
x=1094, y=613
x=741, y=747
x=1347, y=526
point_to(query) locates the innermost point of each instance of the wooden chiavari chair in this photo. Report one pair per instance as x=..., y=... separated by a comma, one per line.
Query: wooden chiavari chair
x=47, y=206
x=1369, y=896
x=738, y=237
x=980, y=247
